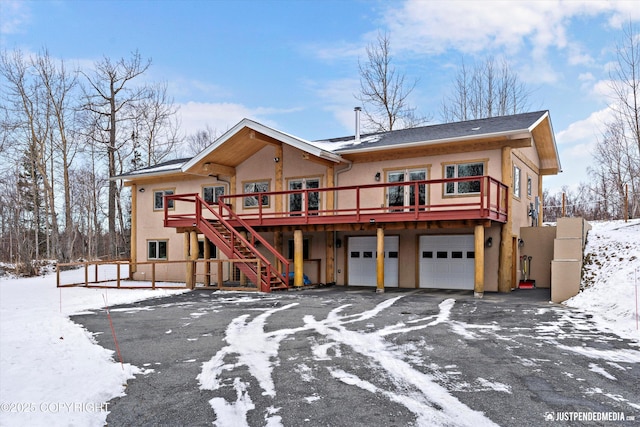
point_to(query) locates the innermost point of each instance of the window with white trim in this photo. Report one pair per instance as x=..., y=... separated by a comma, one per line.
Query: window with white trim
x=311, y=199
x=463, y=170
x=255, y=187
x=158, y=199
x=516, y=181
x=157, y=249
x=404, y=195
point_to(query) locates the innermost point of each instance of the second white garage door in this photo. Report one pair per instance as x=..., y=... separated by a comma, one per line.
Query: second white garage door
x=362, y=261
x=447, y=262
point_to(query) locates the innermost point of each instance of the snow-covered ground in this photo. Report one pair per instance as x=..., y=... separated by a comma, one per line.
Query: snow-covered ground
x=52, y=373
x=612, y=277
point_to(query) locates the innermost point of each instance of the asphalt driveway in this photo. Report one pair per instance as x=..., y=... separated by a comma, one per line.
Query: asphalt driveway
x=338, y=357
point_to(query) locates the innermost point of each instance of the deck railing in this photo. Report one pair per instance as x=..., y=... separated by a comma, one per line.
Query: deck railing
x=370, y=203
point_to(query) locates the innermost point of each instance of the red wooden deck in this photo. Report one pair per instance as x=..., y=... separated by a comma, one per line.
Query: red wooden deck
x=353, y=204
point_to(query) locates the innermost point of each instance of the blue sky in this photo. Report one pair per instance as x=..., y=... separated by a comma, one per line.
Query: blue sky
x=294, y=64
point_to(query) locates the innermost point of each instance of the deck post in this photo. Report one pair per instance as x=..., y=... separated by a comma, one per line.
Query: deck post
x=243, y=277
x=193, y=252
x=330, y=256
x=277, y=245
x=207, y=263
x=506, y=252
x=478, y=286
x=185, y=253
x=298, y=258
x=380, y=261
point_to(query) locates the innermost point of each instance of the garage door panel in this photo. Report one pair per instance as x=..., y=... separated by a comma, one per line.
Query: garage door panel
x=362, y=264
x=446, y=262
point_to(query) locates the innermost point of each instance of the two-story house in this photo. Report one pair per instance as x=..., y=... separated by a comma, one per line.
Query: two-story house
x=437, y=206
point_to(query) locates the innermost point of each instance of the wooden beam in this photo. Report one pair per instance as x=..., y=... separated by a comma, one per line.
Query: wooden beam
x=278, y=246
x=478, y=286
x=193, y=252
x=380, y=261
x=185, y=252
x=330, y=257
x=278, y=174
x=210, y=168
x=134, y=230
x=330, y=195
x=207, y=264
x=540, y=193
x=298, y=258
x=506, y=253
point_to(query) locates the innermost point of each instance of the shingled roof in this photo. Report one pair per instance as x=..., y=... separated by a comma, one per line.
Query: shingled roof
x=440, y=132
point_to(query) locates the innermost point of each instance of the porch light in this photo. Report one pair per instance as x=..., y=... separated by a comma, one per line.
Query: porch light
x=276, y=159
x=520, y=243
x=377, y=177
x=372, y=221
x=141, y=190
x=489, y=242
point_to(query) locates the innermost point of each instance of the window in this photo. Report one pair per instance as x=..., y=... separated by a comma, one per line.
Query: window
x=404, y=195
x=255, y=187
x=212, y=249
x=516, y=181
x=297, y=201
x=158, y=199
x=156, y=249
x=463, y=170
x=211, y=193
x=529, y=186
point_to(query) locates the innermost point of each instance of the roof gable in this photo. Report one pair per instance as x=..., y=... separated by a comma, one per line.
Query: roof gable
x=245, y=139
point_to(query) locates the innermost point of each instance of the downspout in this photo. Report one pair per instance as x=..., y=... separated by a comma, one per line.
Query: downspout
x=335, y=249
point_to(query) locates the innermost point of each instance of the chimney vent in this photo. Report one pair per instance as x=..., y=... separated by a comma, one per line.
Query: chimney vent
x=357, y=110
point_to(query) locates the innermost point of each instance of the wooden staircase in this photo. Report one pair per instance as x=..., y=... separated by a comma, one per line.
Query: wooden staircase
x=232, y=242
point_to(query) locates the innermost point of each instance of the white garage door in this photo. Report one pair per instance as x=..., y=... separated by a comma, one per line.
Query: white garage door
x=362, y=261
x=447, y=262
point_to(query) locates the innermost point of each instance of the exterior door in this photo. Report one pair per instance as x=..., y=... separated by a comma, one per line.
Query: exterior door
x=447, y=262
x=297, y=201
x=404, y=196
x=362, y=261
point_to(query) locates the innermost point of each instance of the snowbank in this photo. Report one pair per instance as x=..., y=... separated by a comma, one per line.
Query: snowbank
x=611, y=278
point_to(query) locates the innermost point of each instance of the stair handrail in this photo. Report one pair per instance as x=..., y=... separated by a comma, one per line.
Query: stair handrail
x=254, y=235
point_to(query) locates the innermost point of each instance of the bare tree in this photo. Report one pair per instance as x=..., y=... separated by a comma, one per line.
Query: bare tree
x=156, y=127
x=59, y=87
x=617, y=152
x=488, y=89
x=30, y=110
x=384, y=93
x=201, y=140
x=110, y=96
x=625, y=82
